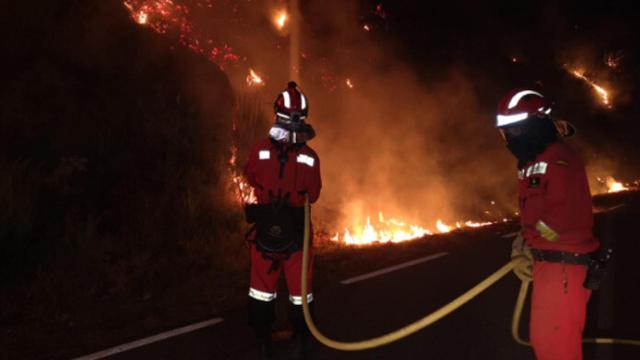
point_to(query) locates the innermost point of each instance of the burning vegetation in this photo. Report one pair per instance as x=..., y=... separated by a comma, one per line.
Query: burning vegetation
x=323, y=70
x=600, y=91
x=123, y=144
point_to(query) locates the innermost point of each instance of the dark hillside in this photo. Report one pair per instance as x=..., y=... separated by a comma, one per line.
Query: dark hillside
x=113, y=147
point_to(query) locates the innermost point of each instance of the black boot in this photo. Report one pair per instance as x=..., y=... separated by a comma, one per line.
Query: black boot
x=302, y=338
x=261, y=317
x=265, y=347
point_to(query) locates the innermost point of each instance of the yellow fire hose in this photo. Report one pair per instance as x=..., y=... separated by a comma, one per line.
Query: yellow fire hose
x=429, y=319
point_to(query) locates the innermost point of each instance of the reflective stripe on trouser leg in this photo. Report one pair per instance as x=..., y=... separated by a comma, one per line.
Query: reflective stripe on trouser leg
x=263, y=285
x=292, y=268
x=262, y=296
x=297, y=300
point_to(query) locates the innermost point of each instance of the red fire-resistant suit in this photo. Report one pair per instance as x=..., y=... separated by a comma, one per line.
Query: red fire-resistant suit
x=553, y=190
x=298, y=176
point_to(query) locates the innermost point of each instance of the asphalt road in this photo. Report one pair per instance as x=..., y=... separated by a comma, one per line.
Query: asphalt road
x=478, y=330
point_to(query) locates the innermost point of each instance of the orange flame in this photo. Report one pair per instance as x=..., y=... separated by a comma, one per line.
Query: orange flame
x=610, y=185
x=280, y=19
x=244, y=192
x=604, y=94
x=394, y=231
x=169, y=17
x=615, y=186
x=613, y=59
x=253, y=79
x=141, y=18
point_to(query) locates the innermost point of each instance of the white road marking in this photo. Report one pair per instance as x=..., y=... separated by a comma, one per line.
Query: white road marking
x=609, y=209
x=149, y=340
x=510, y=235
x=392, y=268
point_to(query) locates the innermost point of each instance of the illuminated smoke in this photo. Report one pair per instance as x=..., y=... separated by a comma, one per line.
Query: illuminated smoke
x=389, y=142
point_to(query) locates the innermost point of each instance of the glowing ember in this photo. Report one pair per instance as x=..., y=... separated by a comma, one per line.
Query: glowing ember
x=253, y=79
x=613, y=59
x=142, y=18
x=604, y=95
x=280, y=19
x=366, y=27
x=349, y=83
x=167, y=17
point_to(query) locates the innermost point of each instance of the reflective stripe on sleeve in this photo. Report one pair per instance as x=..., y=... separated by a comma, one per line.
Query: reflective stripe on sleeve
x=264, y=154
x=537, y=168
x=297, y=300
x=306, y=159
x=261, y=295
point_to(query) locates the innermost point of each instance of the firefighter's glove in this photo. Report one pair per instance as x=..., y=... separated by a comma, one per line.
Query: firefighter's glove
x=548, y=233
x=524, y=267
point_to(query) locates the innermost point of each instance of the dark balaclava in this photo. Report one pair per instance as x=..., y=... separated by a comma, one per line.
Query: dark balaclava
x=535, y=135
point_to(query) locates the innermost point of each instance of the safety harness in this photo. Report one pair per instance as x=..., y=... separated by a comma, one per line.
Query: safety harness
x=560, y=257
x=278, y=228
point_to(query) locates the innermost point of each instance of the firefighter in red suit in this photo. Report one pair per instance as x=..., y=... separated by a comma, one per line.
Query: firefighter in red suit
x=556, y=219
x=284, y=171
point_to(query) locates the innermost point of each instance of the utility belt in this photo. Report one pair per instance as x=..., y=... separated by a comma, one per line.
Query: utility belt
x=596, y=263
x=561, y=257
x=279, y=227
